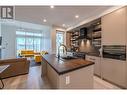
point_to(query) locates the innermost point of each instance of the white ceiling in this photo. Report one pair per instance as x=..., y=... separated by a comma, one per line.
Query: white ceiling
x=59, y=15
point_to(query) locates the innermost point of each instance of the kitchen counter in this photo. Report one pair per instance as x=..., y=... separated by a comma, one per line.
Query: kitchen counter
x=97, y=54
x=62, y=66
x=68, y=73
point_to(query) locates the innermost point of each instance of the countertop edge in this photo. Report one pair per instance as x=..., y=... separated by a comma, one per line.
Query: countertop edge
x=67, y=71
x=71, y=70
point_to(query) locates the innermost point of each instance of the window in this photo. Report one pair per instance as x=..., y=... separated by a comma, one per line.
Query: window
x=28, y=40
x=59, y=40
x=20, y=43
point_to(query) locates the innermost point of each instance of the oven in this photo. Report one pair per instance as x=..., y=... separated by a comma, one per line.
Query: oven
x=114, y=52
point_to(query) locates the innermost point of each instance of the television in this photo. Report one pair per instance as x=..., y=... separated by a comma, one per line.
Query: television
x=0, y=40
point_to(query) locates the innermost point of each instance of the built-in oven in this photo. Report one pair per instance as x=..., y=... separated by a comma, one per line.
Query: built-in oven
x=114, y=52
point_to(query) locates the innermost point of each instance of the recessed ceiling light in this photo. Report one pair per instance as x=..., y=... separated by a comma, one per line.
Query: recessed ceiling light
x=76, y=16
x=44, y=20
x=51, y=6
x=63, y=25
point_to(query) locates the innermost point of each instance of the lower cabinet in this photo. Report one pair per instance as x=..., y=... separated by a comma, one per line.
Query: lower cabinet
x=97, y=65
x=114, y=71
x=111, y=70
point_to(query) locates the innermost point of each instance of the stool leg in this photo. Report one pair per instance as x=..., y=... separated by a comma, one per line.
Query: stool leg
x=2, y=84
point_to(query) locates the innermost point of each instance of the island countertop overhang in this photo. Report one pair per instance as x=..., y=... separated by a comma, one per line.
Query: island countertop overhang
x=62, y=67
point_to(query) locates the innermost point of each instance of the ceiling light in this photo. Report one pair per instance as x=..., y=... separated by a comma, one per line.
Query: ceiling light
x=51, y=6
x=63, y=25
x=44, y=20
x=76, y=16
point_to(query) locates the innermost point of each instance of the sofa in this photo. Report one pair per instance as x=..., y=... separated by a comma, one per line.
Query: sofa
x=18, y=66
x=26, y=53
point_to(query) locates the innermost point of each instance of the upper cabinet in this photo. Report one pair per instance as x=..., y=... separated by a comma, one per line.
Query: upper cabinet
x=114, y=26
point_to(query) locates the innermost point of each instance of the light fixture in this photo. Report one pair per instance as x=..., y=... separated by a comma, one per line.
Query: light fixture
x=63, y=25
x=76, y=16
x=51, y=6
x=44, y=20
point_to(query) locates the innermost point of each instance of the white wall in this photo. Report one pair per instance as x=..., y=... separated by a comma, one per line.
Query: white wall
x=0, y=35
x=53, y=37
x=0, y=28
x=8, y=41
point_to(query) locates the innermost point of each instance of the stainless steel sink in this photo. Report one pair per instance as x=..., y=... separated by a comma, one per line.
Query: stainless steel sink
x=65, y=58
x=68, y=57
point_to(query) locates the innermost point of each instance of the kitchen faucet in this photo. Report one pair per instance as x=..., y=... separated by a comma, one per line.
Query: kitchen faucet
x=59, y=49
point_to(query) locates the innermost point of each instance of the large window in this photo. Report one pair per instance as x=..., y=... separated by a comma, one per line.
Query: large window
x=28, y=40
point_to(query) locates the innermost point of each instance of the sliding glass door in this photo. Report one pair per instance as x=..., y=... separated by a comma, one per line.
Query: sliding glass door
x=59, y=40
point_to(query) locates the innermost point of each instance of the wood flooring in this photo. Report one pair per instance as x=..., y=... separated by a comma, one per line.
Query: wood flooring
x=33, y=80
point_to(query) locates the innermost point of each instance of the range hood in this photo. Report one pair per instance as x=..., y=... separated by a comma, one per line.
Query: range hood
x=83, y=34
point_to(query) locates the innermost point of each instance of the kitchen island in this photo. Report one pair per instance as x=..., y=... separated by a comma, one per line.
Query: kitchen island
x=68, y=74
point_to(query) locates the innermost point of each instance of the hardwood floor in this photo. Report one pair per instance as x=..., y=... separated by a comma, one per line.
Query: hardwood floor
x=101, y=84
x=33, y=80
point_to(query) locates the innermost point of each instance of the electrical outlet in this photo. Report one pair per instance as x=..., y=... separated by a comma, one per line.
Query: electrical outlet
x=67, y=80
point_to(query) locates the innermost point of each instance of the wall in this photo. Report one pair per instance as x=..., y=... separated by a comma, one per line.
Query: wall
x=53, y=37
x=0, y=28
x=0, y=35
x=87, y=47
x=8, y=41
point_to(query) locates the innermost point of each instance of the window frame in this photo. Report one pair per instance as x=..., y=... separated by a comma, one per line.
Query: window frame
x=30, y=36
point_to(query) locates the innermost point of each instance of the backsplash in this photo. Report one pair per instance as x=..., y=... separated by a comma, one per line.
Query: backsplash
x=87, y=47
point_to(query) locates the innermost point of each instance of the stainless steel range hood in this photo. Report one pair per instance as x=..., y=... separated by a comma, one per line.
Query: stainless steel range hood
x=83, y=34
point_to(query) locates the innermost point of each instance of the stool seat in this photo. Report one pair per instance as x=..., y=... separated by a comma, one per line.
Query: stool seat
x=37, y=58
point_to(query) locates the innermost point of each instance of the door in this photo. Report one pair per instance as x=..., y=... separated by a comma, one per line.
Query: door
x=59, y=40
